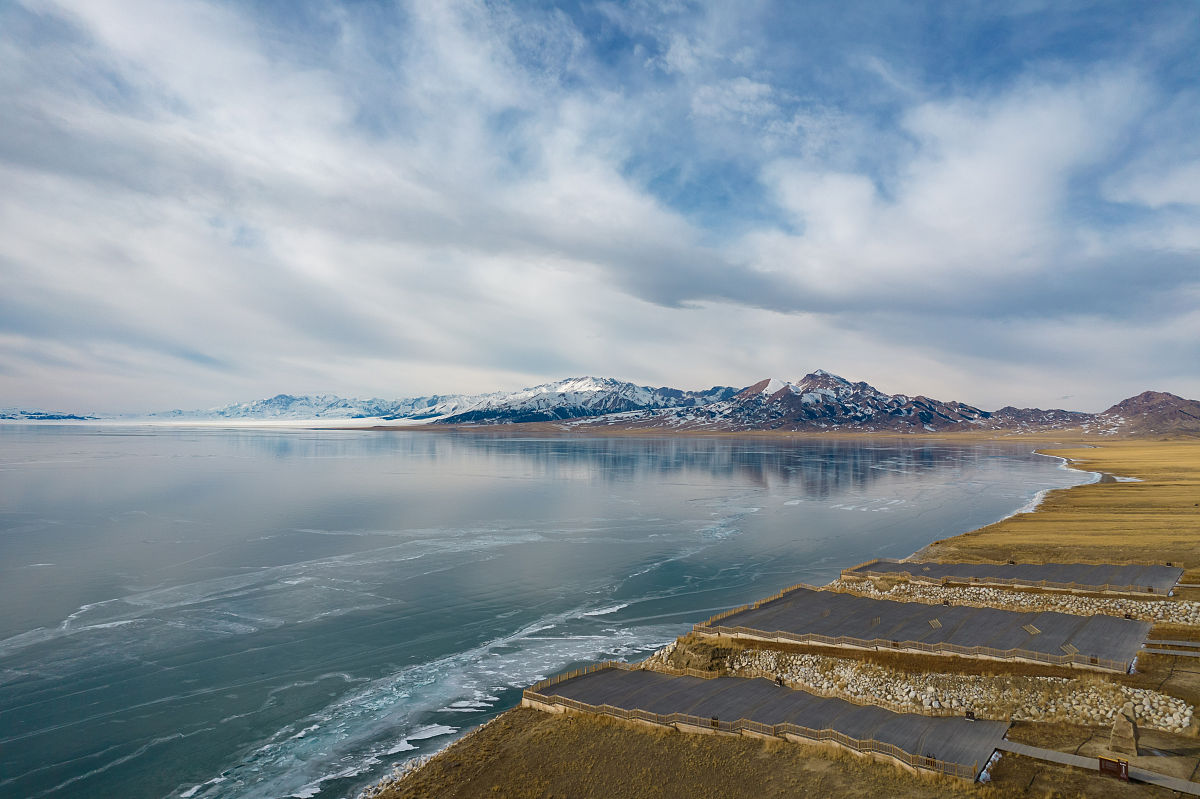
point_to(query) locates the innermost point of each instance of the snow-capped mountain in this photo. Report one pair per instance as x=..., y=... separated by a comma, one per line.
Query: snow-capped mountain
x=824, y=402
x=1036, y=419
x=820, y=401
x=329, y=406
x=27, y=415
x=578, y=397
x=566, y=399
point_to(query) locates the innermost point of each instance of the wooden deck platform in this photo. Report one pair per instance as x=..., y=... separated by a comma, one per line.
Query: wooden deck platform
x=767, y=708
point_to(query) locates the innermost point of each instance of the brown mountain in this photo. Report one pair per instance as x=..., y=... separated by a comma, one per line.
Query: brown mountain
x=1037, y=419
x=824, y=402
x=820, y=401
x=1151, y=413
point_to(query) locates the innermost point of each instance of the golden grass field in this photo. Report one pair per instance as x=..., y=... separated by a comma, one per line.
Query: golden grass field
x=1157, y=520
x=526, y=753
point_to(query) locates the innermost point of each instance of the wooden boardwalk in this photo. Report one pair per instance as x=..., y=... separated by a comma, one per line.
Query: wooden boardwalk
x=1183, y=653
x=1139, y=774
x=811, y=615
x=965, y=744
x=1123, y=579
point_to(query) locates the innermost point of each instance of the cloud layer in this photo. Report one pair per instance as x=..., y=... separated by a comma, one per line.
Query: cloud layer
x=207, y=202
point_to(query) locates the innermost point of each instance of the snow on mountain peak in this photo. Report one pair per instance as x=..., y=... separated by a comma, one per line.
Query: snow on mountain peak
x=581, y=384
x=828, y=377
x=580, y=397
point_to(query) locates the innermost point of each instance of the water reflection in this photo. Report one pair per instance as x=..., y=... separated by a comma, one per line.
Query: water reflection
x=246, y=613
x=818, y=467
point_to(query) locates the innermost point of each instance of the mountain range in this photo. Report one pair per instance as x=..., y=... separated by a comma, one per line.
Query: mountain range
x=818, y=402
x=824, y=402
x=565, y=399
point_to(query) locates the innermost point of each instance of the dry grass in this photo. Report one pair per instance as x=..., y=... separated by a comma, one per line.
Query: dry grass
x=1163, y=752
x=530, y=754
x=527, y=754
x=1177, y=758
x=1174, y=675
x=1154, y=520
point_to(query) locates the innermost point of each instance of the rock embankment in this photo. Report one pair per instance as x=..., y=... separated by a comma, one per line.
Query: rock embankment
x=1085, y=700
x=1153, y=610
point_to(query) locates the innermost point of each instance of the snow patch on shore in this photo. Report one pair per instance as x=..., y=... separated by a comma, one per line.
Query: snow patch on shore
x=1040, y=496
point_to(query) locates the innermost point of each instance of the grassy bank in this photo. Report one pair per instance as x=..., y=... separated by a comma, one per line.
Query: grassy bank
x=1157, y=519
x=526, y=753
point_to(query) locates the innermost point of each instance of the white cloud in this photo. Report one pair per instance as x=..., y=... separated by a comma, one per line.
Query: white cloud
x=739, y=99
x=1174, y=184
x=196, y=212
x=983, y=194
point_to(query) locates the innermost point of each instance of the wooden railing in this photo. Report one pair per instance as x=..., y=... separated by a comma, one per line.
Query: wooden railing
x=707, y=628
x=570, y=675
x=858, y=572
x=867, y=746
x=758, y=603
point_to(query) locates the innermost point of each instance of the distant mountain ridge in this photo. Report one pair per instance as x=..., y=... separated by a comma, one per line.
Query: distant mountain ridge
x=818, y=402
x=327, y=406
x=28, y=415
x=1152, y=413
x=824, y=402
x=581, y=397
x=565, y=399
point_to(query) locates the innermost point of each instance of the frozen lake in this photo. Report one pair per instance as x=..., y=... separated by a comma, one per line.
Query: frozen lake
x=238, y=613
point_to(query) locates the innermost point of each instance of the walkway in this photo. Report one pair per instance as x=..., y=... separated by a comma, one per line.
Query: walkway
x=1129, y=578
x=1139, y=774
x=954, y=740
x=838, y=619
x=1180, y=652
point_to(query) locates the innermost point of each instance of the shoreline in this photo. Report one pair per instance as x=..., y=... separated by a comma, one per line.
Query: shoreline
x=1032, y=505
x=1112, y=518
x=563, y=430
x=408, y=771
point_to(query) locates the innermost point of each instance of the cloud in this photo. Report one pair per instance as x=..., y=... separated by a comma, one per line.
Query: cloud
x=1177, y=184
x=977, y=217
x=739, y=98
x=209, y=202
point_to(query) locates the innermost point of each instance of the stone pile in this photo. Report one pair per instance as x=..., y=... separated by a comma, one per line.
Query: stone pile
x=1152, y=610
x=1078, y=700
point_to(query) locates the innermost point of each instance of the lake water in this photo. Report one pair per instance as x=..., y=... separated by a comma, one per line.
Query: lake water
x=204, y=613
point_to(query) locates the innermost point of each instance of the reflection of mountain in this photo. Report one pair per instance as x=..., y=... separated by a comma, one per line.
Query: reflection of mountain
x=815, y=468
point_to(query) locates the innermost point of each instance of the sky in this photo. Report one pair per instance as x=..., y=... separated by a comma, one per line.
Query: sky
x=207, y=202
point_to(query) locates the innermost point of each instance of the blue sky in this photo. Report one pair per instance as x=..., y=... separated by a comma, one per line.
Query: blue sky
x=208, y=202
